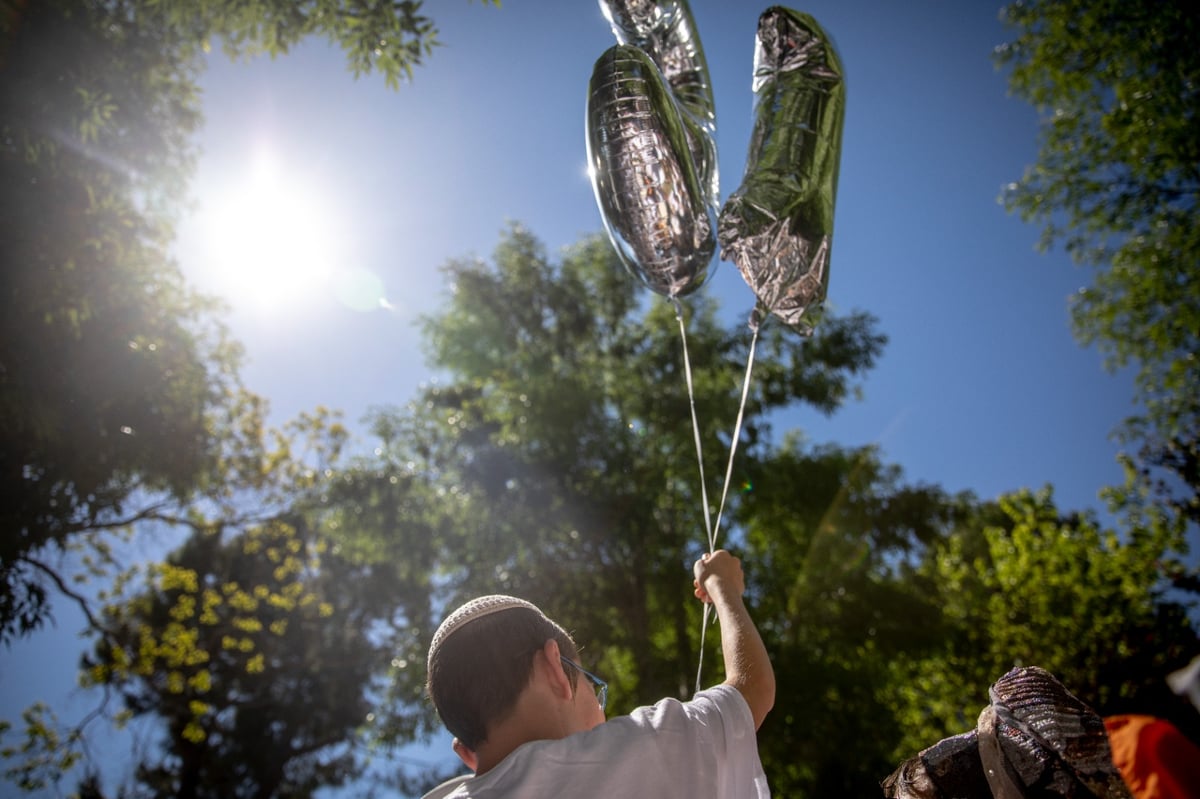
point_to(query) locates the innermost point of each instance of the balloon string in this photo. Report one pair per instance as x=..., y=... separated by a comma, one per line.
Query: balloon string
x=687, y=370
x=703, y=628
x=737, y=433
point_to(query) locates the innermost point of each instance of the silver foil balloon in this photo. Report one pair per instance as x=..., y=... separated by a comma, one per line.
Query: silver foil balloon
x=778, y=226
x=666, y=31
x=651, y=198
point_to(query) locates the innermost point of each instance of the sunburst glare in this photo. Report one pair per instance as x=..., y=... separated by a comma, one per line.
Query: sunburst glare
x=271, y=243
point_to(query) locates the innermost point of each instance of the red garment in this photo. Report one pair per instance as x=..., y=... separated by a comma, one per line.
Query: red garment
x=1155, y=759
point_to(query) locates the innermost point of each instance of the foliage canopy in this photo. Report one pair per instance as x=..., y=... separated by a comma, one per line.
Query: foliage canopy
x=1117, y=181
x=553, y=459
x=118, y=384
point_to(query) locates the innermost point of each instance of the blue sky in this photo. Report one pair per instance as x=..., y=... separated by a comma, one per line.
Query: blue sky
x=981, y=387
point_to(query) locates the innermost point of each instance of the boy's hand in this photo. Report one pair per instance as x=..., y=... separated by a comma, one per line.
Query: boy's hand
x=718, y=573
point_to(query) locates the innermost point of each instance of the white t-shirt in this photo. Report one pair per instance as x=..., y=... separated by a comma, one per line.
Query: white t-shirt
x=702, y=749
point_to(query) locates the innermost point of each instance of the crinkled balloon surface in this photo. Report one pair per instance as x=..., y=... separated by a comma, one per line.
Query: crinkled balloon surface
x=778, y=226
x=666, y=31
x=652, y=200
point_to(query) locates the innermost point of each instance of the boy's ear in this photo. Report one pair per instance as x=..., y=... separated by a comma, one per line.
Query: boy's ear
x=559, y=681
x=466, y=755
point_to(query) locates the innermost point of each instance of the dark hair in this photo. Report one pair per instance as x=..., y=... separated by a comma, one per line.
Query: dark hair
x=479, y=671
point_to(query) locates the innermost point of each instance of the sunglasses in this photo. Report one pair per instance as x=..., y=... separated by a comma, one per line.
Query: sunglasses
x=600, y=685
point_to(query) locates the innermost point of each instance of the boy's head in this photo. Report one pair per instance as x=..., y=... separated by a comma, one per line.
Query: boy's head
x=481, y=659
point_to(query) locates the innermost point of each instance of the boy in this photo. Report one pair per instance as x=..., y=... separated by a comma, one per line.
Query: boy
x=507, y=682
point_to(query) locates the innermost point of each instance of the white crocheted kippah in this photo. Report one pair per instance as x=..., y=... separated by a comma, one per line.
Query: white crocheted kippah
x=473, y=611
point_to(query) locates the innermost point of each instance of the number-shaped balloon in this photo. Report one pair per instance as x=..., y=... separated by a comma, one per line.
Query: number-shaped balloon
x=653, y=200
x=777, y=227
x=666, y=31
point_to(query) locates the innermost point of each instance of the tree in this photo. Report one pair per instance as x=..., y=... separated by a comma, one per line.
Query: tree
x=1117, y=181
x=834, y=543
x=559, y=435
x=108, y=360
x=888, y=609
x=520, y=472
x=257, y=654
x=251, y=642
x=1022, y=584
x=233, y=646
x=562, y=435
x=553, y=459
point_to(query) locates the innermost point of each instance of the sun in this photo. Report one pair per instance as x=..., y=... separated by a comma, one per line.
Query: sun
x=270, y=243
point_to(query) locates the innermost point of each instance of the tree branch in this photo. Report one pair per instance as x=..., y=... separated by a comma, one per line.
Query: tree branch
x=64, y=589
